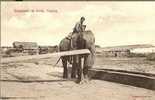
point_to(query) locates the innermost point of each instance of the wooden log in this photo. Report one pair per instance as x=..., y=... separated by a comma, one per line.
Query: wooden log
x=124, y=77
x=49, y=55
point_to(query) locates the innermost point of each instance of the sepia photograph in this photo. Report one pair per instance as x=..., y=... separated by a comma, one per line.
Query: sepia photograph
x=77, y=50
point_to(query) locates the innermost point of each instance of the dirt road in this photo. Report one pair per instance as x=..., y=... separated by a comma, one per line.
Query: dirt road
x=69, y=90
x=45, y=82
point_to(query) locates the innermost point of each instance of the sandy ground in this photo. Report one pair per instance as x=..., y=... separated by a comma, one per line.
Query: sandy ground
x=129, y=64
x=69, y=90
x=46, y=83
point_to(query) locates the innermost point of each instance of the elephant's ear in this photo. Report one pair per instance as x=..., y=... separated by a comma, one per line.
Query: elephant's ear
x=88, y=36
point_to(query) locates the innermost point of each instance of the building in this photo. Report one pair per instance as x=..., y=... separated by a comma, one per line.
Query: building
x=116, y=52
x=26, y=47
x=143, y=50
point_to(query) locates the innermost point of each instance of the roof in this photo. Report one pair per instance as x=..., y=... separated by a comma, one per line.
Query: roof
x=26, y=45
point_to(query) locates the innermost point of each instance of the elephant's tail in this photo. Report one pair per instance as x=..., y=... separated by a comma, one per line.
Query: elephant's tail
x=57, y=62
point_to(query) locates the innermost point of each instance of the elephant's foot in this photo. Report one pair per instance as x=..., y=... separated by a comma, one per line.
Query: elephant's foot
x=86, y=77
x=83, y=81
x=79, y=81
x=86, y=80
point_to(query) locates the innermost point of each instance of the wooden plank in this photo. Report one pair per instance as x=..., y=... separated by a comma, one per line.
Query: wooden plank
x=126, y=71
x=58, y=54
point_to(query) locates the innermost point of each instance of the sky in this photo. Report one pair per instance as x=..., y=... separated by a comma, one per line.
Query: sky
x=113, y=23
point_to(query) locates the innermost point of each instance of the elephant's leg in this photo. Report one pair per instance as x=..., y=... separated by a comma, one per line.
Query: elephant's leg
x=86, y=77
x=85, y=71
x=74, y=68
x=80, y=72
x=65, y=71
x=70, y=60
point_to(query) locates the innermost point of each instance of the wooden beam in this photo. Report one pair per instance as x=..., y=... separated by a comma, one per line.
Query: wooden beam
x=49, y=55
x=142, y=80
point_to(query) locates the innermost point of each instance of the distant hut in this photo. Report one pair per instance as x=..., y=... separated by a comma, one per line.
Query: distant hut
x=26, y=47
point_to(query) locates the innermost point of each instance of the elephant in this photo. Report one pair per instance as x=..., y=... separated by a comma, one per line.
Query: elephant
x=83, y=40
x=65, y=45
